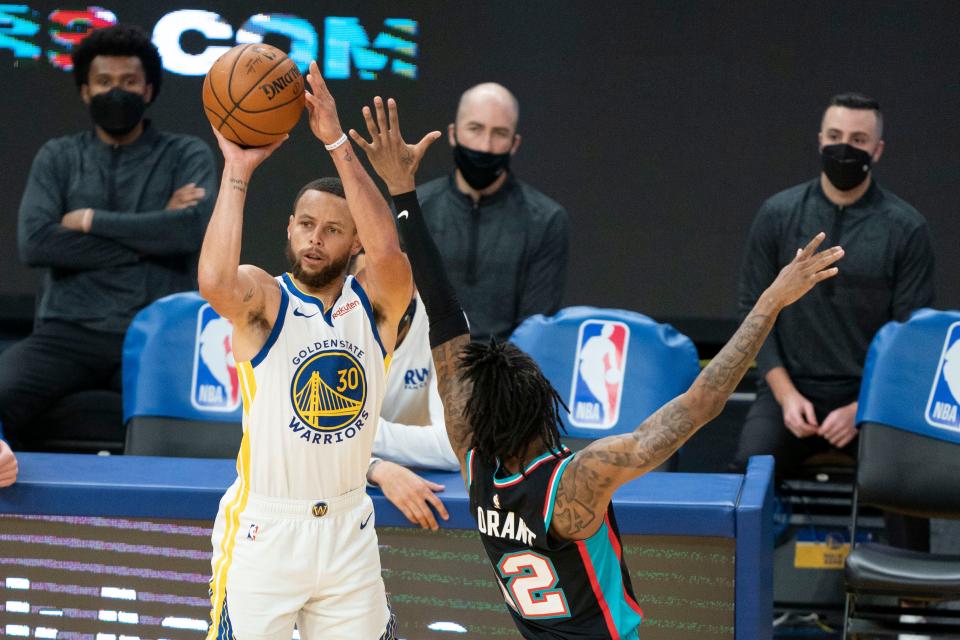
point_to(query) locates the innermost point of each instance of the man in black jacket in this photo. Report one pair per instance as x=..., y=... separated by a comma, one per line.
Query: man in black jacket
x=116, y=215
x=812, y=363
x=503, y=242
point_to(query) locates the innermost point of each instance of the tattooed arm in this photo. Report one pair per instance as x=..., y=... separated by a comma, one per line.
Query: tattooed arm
x=244, y=294
x=454, y=392
x=590, y=480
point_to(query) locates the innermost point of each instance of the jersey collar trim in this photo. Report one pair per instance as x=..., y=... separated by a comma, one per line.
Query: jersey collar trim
x=517, y=477
x=306, y=297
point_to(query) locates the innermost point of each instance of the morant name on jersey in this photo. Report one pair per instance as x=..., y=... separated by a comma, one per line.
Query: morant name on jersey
x=510, y=526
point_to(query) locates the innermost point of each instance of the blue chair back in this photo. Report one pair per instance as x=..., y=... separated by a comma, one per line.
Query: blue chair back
x=178, y=363
x=911, y=379
x=613, y=368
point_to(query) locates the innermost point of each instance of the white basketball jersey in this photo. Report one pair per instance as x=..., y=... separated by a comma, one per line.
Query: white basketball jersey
x=411, y=379
x=311, y=397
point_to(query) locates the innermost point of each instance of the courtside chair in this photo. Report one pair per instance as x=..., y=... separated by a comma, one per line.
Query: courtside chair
x=613, y=368
x=909, y=463
x=181, y=389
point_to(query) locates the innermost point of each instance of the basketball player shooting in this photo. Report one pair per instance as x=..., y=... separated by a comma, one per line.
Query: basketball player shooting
x=544, y=514
x=294, y=540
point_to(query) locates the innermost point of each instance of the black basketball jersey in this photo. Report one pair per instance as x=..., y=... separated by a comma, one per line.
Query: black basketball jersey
x=554, y=589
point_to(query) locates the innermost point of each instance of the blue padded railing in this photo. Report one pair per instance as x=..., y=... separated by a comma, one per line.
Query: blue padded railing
x=721, y=505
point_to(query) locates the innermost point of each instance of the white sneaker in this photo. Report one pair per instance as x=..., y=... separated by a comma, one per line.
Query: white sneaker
x=908, y=619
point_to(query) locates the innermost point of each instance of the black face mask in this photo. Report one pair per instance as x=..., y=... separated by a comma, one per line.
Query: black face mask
x=117, y=111
x=479, y=168
x=846, y=166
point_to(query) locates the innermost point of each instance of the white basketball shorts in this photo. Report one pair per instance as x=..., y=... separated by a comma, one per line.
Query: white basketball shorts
x=314, y=563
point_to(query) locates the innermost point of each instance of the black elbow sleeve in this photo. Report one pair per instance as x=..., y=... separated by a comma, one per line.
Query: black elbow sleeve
x=447, y=320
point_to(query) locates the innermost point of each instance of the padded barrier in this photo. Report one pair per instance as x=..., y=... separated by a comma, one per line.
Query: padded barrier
x=724, y=505
x=911, y=379
x=583, y=350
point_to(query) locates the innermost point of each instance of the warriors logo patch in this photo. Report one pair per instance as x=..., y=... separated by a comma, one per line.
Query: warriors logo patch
x=328, y=391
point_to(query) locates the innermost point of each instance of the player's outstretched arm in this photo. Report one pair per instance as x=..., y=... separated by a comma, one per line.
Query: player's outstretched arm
x=396, y=163
x=386, y=277
x=587, y=485
x=246, y=295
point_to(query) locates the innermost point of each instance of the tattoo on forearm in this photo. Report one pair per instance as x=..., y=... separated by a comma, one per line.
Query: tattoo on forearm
x=727, y=368
x=238, y=185
x=348, y=156
x=453, y=391
x=589, y=481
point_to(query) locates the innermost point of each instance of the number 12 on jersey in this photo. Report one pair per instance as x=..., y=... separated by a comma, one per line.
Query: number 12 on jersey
x=532, y=585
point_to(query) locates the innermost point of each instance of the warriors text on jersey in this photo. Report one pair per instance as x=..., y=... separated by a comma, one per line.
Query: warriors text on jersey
x=312, y=395
x=554, y=589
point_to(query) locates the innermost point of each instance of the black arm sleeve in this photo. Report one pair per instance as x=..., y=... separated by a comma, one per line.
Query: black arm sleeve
x=447, y=320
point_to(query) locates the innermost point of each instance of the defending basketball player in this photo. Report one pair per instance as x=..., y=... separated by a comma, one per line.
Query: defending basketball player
x=294, y=540
x=545, y=514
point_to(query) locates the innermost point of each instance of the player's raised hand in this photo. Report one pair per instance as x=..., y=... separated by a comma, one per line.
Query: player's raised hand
x=244, y=159
x=804, y=272
x=394, y=160
x=321, y=108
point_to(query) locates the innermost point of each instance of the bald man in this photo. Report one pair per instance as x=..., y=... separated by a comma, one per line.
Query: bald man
x=504, y=243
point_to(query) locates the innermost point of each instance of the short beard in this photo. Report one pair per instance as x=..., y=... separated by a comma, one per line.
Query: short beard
x=337, y=268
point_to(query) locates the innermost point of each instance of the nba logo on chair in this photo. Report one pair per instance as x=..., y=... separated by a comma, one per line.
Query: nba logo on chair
x=216, y=385
x=598, y=369
x=944, y=403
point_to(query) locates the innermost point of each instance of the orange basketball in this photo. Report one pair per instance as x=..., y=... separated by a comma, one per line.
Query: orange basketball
x=253, y=94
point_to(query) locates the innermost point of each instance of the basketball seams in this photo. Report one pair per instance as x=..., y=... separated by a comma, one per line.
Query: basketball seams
x=276, y=106
x=216, y=96
x=230, y=75
x=213, y=85
x=227, y=110
x=236, y=103
x=246, y=126
x=229, y=115
x=216, y=115
x=234, y=131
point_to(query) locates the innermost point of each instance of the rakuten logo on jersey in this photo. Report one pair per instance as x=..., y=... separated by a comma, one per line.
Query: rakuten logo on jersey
x=345, y=309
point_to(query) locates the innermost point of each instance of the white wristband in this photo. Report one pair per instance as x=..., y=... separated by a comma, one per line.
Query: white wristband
x=336, y=145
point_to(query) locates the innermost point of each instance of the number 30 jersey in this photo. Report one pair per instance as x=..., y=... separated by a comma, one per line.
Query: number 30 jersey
x=575, y=589
x=311, y=397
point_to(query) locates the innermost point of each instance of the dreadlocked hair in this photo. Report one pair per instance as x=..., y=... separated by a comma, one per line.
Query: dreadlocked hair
x=512, y=403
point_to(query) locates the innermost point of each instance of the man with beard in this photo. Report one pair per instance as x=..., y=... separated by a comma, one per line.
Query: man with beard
x=115, y=215
x=504, y=244
x=294, y=541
